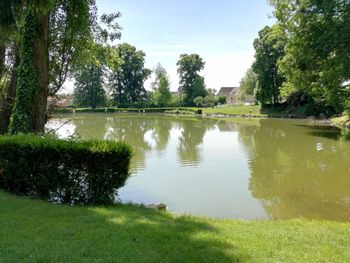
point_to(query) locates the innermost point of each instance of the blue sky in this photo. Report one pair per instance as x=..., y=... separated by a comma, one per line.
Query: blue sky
x=221, y=31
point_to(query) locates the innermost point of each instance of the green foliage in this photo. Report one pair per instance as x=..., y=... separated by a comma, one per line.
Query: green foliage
x=21, y=119
x=193, y=85
x=347, y=108
x=317, y=56
x=162, y=95
x=248, y=83
x=199, y=87
x=209, y=101
x=127, y=80
x=198, y=101
x=221, y=100
x=158, y=72
x=7, y=18
x=89, y=91
x=70, y=31
x=84, y=172
x=269, y=50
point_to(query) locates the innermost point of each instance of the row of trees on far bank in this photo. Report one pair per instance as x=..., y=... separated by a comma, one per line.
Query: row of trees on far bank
x=45, y=43
x=304, y=58
x=118, y=75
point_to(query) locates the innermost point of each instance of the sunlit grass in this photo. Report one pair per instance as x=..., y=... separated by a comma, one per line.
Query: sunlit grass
x=342, y=121
x=36, y=231
x=236, y=110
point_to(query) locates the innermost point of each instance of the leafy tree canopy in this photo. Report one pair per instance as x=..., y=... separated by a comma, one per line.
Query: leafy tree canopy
x=189, y=67
x=317, y=56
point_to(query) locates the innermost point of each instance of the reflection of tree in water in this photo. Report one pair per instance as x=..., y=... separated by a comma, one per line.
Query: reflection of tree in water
x=296, y=174
x=245, y=130
x=161, y=132
x=132, y=130
x=191, y=138
x=90, y=126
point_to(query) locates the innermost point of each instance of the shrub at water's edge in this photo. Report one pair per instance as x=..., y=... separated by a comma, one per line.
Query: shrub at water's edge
x=74, y=172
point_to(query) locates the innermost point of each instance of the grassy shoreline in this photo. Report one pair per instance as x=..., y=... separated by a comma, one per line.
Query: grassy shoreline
x=226, y=111
x=37, y=231
x=252, y=111
x=342, y=122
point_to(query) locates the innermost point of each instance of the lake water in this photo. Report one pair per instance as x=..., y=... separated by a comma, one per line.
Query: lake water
x=248, y=169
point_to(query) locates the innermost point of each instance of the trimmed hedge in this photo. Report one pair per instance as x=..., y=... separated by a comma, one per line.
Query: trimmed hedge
x=72, y=172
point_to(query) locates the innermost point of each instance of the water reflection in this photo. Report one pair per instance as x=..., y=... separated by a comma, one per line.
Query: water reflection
x=191, y=139
x=232, y=169
x=296, y=175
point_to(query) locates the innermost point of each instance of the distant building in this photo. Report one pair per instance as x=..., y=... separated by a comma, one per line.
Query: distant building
x=231, y=94
x=61, y=101
x=178, y=93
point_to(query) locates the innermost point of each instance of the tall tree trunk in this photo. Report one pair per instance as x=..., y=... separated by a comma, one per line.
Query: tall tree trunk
x=10, y=94
x=29, y=114
x=41, y=66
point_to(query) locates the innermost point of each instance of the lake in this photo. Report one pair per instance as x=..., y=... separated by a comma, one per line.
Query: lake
x=227, y=168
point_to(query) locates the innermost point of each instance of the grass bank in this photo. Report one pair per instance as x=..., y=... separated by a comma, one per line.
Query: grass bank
x=343, y=122
x=254, y=110
x=37, y=231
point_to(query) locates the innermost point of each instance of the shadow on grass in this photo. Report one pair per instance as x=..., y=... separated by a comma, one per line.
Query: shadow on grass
x=36, y=231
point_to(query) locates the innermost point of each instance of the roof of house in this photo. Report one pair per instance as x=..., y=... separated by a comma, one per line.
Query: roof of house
x=234, y=91
x=224, y=91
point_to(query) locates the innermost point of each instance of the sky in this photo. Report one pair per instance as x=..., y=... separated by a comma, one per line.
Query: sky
x=220, y=31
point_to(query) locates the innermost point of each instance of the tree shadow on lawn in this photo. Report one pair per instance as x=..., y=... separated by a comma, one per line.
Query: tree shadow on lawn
x=42, y=232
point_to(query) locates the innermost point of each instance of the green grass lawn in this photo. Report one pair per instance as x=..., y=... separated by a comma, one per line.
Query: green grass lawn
x=37, y=231
x=255, y=110
x=236, y=110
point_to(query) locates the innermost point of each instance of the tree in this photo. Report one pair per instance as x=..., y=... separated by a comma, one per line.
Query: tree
x=158, y=72
x=127, y=80
x=188, y=68
x=199, y=87
x=89, y=90
x=317, y=56
x=162, y=95
x=269, y=50
x=222, y=100
x=32, y=89
x=70, y=29
x=198, y=101
x=209, y=101
x=29, y=113
x=248, y=83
